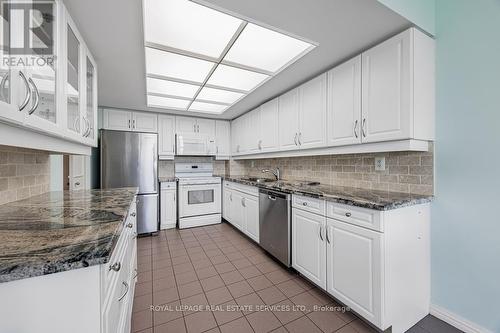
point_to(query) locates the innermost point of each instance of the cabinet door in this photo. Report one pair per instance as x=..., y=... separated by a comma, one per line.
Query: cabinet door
x=166, y=137
x=252, y=131
x=269, y=126
x=118, y=120
x=226, y=204
x=309, y=246
x=289, y=120
x=237, y=211
x=144, y=122
x=236, y=136
x=386, y=90
x=344, y=104
x=73, y=98
x=222, y=139
x=354, y=268
x=185, y=125
x=312, y=113
x=168, y=209
x=243, y=134
x=90, y=114
x=251, y=212
x=206, y=127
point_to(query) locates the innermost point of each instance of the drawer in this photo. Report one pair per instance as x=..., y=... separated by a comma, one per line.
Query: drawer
x=312, y=205
x=363, y=217
x=168, y=186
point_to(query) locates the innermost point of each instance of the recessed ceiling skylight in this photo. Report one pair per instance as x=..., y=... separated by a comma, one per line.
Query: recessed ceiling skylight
x=201, y=59
x=219, y=95
x=171, y=88
x=187, y=26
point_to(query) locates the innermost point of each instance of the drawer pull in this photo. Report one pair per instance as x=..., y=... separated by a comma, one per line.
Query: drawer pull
x=304, y=204
x=348, y=214
x=126, y=291
x=115, y=267
x=130, y=225
x=133, y=214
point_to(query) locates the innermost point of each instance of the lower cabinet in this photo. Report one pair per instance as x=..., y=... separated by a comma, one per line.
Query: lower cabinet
x=380, y=270
x=308, y=246
x=168, y=205
x=241, y=209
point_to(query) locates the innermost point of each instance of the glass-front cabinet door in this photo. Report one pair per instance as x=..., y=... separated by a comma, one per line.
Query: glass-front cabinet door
x=90, y=112
x=73, y=72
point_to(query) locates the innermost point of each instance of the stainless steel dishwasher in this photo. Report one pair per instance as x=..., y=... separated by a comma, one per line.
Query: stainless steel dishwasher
x=275, y=227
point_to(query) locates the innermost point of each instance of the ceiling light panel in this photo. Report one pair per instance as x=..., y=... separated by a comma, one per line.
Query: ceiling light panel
x=166, y=102
x=172, y=88
x=207, y=107
x=219, y=95
x=188, y=26
x=265, y=49
x=236, y=78
x=176, y=66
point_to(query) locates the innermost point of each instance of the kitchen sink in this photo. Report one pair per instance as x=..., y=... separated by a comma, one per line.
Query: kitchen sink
x=258, y=180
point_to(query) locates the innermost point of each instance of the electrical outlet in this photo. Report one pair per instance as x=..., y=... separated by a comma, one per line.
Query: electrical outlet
x=379, y=163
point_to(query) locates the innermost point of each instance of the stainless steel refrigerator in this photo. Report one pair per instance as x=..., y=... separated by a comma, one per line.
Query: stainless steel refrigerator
x=130, y=159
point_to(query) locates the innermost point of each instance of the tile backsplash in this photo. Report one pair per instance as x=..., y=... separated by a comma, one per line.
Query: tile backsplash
x=409, y=172
x=23, y=173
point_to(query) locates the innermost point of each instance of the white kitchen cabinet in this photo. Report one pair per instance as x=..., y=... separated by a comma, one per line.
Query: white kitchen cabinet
x=206, y=127
x=253, y=132
x=251, y=216
x=185, y=125
x=191, y=125
x=269, y=126
x=312, y=113
x=309, y=246
x=344, y=104
x=237, y=211
x=168, y=205
x=227, y=200
x=166, y=137
x=354, y=274
x=90, y=92
x=236, y=128
x=222, y=139
x=144, y=122
x=398, y=89
x=122, y=120
x=288, y=120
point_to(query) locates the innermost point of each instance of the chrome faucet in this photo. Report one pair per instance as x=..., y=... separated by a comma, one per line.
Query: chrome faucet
x=275, y=172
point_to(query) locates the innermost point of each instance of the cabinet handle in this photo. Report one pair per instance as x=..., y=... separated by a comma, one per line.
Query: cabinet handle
x=198, y=128
x=77, y=183
x=133, y=214
x=133, y=123
x=295, y=139
x=129, y=123
x=28, y=92
x=115, y=267
x=126, y=291
x=304, y=204
x=320, y=235
x=2, y=86
x=356, y=128
x=300, y=138
x=243, y=202
x=260, y=144
x=327, y=237
x=130, y=225
x=348, y=214
x=363, y=127
x=37, y=97
x=231, y=197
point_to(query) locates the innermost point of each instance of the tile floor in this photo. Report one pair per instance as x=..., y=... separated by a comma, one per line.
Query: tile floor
x=184, y=272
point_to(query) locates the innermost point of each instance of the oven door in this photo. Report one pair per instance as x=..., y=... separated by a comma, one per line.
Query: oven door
x=198, y=199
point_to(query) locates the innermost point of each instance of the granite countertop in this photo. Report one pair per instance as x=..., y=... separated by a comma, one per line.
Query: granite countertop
x=166, y=179
x=373, y=199
x=60, y=231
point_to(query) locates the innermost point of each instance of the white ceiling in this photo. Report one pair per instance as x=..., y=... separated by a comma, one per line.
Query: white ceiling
x=113, y=31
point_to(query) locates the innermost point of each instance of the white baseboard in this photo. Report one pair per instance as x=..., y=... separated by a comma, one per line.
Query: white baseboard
x=455, y=320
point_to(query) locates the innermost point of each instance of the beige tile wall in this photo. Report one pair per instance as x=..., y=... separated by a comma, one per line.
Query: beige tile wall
x=23, y=173
x=409, y=172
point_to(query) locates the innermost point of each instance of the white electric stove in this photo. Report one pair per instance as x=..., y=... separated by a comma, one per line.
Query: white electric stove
x=199, y=195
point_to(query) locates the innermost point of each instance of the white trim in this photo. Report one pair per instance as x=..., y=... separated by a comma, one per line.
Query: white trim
x=374, y=147
x=455, y=320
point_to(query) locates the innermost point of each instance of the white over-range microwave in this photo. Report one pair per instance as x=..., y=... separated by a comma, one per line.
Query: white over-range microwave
x=195, y=145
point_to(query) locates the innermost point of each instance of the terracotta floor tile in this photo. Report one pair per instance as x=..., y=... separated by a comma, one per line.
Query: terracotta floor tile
x=211, y=283
x=184, y=278
x=176, y=326
x=327, y=321
x=249, y=303
x=227, y=312
x=259, y=282
x=166, y=312
x=142, y=302
x=165, y=296
x=232, y=277
x=290, y=288
x=142, y=320
x=286, y=311
x=249, y=272
x=271, y=295
x=241, y=263
x=302, y=325
x=225, y=267
x=205, y=272
x=143, y=288
x=237, y=326
x=200, y=321
x=239, y=289
x=218, y=296
x=165, y=283
x=194, y=303
x=279, y=276
x=190, y=289
x=263, y=321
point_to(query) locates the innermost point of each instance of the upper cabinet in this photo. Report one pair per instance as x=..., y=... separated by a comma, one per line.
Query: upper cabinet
x=121, y=120
x=344, y=104
x=384, y=94
x=398, y=89
x=195, y=126
x=222, y=139
x=166, y=137
x=52, y=102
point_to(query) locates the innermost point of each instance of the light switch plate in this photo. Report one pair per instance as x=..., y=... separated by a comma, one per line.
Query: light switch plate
x=379, y=163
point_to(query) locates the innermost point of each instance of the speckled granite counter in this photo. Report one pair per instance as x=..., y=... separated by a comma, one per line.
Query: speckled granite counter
x=373, y=199
x=166, y=179
x=60, y=231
